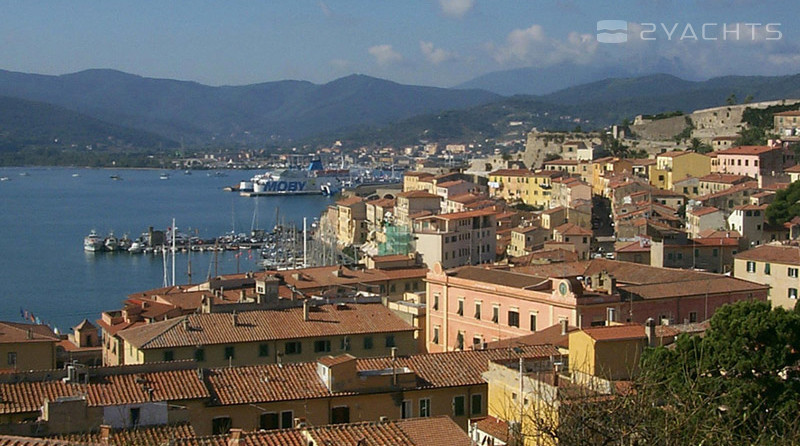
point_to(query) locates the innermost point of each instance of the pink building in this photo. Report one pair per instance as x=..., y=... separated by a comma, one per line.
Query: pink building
x=469, y=306
x=753, y=161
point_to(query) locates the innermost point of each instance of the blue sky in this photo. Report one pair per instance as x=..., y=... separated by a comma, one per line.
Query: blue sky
x=426, y=42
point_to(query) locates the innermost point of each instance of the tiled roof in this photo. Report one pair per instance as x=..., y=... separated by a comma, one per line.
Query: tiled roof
x=108, y=390
x=466, y=198
x=466, y=214
x=550, y=335
x=561, y=162
x=512, y=173
x=793, y=169
x=725, y=178
x=418, y=174
x=788, y=113
x=789, y=255
x=382, y=202
x=703, y=210
x=615, y=332
x=349, y=201
x=310, y=279
x=497, y=277
x=636, y=246
x=497, y=428
x=143, y=436
x=13, y=332
x=572, y=229
x=450, y=183
x=272, y=382
x=673, y=154
x=264, y=325
x=747, y=150
x=12, y=440
x=417, y=194
x=554, y=210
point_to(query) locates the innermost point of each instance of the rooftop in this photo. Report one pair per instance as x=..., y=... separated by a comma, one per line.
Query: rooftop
x=264, y=325
x=14, y=332
x=785, y=254
x=572, y=229
x=616, y=332
x=417, y=194
x=748, y=150
x=511, y=173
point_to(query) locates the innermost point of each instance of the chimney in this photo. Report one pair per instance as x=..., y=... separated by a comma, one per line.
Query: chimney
x=235, y=437
x=650, y=331
x=305, y=310
x=105, y=434
x=563, y=323
x=30, y=334
x=241, y=296
x=186, y=323
x=235, y=318
x=299, y=423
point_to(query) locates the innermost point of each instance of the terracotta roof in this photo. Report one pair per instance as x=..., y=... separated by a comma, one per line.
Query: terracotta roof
x=562, y=162
x=748, y=150
x=527, y=229
x=497, y=277
x=106, y=390
x=466, y=214
x=751, y=207
x=450, y=183
x=14, y=332
x=673, y=154
x=264, y=325
x=512, y=173
x=497, y=428
x=149, y=435
x=637, y=246
x=12, y=440
x=466, y=198
x=725, y=178
x=703, y=210
x=84, y=324
x=315, y=278
x=382, y=202
x=572, y=229
x=616, y=332
x=349, y=201
x=554, y=210
x=788, y=113
x=550, y=335
x=417, y=194
x=712, y=233
x=271, y=382
x=330, y=361
x=418, y=174
x=785, y=254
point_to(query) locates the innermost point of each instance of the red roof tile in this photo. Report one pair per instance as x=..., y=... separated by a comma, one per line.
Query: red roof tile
x=616, y=332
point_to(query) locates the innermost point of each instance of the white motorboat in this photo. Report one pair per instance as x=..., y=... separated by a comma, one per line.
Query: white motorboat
x=111, y=242
x=92, y=242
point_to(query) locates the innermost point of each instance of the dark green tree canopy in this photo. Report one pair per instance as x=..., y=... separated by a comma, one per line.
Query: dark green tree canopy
x=786, y=205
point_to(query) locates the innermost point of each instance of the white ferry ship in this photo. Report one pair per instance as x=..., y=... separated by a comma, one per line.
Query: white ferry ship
x=313, y=180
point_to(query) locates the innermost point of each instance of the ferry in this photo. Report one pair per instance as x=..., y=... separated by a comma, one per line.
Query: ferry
x=314, y=180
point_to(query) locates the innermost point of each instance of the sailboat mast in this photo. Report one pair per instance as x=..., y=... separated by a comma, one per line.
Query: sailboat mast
x=174, y=232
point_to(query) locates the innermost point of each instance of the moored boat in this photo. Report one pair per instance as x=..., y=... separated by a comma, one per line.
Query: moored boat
x=92, y=242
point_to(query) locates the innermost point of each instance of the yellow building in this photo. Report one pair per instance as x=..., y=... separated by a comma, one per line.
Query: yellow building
x=774, y=265
x=417, y=181
x=288, y=335
x=510, y=184
x=27, y=347
x=608, y=352
x=352, y=225
x=675, y=166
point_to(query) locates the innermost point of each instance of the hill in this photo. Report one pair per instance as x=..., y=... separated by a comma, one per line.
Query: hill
x=204, y=114
x=25, y=124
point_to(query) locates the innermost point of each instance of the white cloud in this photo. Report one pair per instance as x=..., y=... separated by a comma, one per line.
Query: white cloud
x=532, y=46
x=433, y=54
x=385, y=54
x=456, y=8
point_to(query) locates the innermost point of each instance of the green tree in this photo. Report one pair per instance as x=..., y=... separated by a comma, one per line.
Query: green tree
x=786, y=205
x=736, y=385
x=731, y=99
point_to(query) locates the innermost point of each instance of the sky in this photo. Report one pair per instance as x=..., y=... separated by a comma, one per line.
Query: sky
x=425, y=42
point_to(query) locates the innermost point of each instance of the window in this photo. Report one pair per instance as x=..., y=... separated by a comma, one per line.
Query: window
x=229, y=352
x=513, y=318
x=268, y=421
x=766, y=268
x=169, y=355
x=458, y=406
x=460, y=310
x=478, y=310
x=792, y=293
x=533, y=321
x=692, y=317
x=293, y=348
x=263, y=350
x=495, y=313
x=793, y=272
x=460, y=341
x=751, y=267
x=340, y=415
x=435, y=301
x=476, y=405
x=390, y=340
x=425, y=407
x=287, y=419
x=220, y=425
x=435, y=339
x=345, y=344
x=200, y=354
x=136, y=415
x=407, y=409
x=322, y=345
x=368, y=343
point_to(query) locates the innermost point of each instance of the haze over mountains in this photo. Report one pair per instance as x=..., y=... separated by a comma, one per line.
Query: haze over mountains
x=162, y=112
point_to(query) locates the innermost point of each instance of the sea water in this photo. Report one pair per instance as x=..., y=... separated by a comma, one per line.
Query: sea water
x=46, y=212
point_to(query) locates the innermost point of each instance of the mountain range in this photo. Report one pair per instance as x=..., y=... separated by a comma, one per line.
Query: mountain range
x=135, y=110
